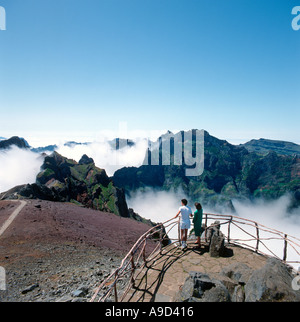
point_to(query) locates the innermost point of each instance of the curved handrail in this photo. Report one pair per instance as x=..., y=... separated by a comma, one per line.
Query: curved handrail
x=155, y=238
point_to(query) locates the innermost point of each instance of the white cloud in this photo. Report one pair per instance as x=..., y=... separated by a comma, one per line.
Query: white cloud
x=18, y=166
x=272, y=214
x=156, y=205
x=105, y=157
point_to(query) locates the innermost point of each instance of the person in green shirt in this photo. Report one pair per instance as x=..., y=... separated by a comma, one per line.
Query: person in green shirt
x=197, y=221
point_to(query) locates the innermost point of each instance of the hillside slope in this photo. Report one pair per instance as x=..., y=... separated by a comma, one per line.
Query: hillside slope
x=53, y=249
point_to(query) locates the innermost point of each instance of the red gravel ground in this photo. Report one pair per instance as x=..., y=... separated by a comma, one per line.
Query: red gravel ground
x=58, y=223
x=60, y=246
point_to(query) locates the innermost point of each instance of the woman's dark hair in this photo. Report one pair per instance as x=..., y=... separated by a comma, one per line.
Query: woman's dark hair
x=198, y=206
x=184, y=201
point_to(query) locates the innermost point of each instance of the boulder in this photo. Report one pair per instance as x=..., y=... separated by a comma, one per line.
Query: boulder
x=216, y=240
x=200, y=287
x=217, y=245
x=239, y=283
x=238, y=272
x=273, y=282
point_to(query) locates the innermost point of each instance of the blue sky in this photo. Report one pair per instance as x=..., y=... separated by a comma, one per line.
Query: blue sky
x=72, y=68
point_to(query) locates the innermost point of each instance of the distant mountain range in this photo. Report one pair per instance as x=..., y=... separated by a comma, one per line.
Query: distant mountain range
x=230, y=172
x=259, y=168
x=261, y=146
x=264, y=146
x=22, y=143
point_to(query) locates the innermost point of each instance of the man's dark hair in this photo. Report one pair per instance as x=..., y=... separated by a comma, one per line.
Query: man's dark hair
x=184, y=201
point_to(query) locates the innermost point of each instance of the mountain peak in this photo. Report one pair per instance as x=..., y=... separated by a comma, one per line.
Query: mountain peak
x=86, y=160
x=15, y=140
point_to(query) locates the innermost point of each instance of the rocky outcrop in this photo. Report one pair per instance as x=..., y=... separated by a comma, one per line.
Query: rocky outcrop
x=238, y=272
x=65, y=180
x=239, y=283
x=216, y=240
x=273, y=282
x=200, y=287
x=82, y=182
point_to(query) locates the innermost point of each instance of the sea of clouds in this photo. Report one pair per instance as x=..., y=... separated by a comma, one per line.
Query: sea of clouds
x=20, y=166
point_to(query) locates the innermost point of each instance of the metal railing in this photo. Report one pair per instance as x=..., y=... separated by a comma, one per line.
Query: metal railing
x=240, y=231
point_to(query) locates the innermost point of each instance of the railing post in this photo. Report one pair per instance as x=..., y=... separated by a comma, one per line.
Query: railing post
x=161, y=236
x=115, y=286
x=132, y=268
x=257, y=237
x=144, y=251
x=285, y=248
x=205, y=232
x=228, y=237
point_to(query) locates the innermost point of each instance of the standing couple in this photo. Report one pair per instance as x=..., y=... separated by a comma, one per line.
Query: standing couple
x=185, y=213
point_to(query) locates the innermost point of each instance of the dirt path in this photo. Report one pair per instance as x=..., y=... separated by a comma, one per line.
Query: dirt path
x=12, y=216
